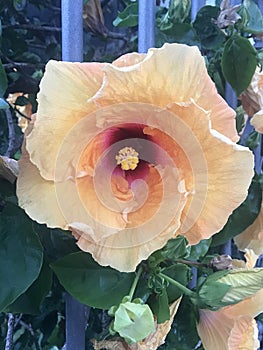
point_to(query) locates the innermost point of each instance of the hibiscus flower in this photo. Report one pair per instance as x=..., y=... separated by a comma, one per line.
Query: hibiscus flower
x=128, y=155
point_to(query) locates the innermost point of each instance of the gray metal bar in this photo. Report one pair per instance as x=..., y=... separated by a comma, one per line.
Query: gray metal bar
x=72, y=50
x=196, y=5
x=146, y=29
x=76, y=321
x=231, y=97
x=72, y=30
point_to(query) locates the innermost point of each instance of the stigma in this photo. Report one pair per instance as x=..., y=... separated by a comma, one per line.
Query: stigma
x=127, y=158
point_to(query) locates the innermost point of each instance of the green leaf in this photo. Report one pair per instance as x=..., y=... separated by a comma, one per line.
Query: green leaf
x=180, y=273
x=199, y=250
x=20, y=254
x=160, y=306
x=253, y=140
x=239, y=62
x=90, y=283
x=22, y=101
x=242, y=217
x=240, y=118
x=3, y=80
x=254, y=17
x=243, y=283
x=178, y=12
x=185, y=337
x=57, y=243
x=128, y=17
x=3, y=104
x=210, y=35
x=211, y=292
x=19, y=5
x=7, y=189
x=29, y=302
x=176, y=248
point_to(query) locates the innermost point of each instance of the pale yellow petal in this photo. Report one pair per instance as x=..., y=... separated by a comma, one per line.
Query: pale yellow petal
x=124, y=249
x=64, y=91
x=218, y=331
x=35, y=195
x=214, y=329
x=244, y=335
x=129, y=59
x=173, y=73
x=210, y=175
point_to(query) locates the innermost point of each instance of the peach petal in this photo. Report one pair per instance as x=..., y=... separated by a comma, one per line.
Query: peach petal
x=129, y=59
x=232, y=327
x=244, y=335
x=252, y=237
x=173, y=73
x=218, y=331
x=210, y=176
x=36, y=195
x=64, y=91
x=124, y=249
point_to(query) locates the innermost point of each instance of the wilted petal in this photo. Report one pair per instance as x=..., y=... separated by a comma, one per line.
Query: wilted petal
x=8, y=169
x=252, y=97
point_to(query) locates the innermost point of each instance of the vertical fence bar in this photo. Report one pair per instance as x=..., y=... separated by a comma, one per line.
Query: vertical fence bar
x=72, y=30
x=196, y=5
x=72, y=50
x=76, y=319
x=146, y=28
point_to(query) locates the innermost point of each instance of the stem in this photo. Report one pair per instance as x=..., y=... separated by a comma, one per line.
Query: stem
x=135, y=282
x=10, y=332
x=184, y=289
x=191, y=263
x=11, y=134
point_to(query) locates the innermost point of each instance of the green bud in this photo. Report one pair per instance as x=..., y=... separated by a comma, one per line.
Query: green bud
x=133, y=322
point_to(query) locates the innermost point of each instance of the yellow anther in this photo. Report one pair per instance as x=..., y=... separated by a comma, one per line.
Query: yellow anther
x=127, y=158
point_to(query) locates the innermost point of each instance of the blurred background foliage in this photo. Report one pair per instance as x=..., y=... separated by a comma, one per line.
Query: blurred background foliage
x=32, y=298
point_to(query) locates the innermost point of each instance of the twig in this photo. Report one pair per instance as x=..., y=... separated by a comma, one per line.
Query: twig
x=31, y=331
x=19, y=112
x=32, y=27
x=22, y=65
x=118, y=36
x=10, y=332
x=11, y=134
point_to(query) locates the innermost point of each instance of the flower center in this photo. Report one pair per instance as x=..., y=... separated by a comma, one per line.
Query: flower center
x=127, y=158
